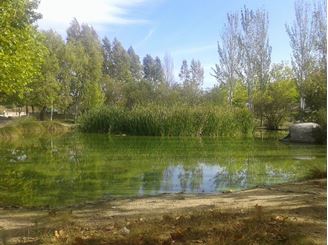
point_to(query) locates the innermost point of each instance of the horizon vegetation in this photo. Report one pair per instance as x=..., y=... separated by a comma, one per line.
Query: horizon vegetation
x=83, y=75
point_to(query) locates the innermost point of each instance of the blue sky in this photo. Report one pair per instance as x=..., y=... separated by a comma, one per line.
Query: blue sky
x=185, y=29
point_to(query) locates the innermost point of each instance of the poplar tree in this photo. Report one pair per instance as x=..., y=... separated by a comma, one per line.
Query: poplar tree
x=168, y=69
x=153, y=71
x=229, y=56
x=85, y=62
x=197, y=75
x=301, y=42
x=135, y=65
x=184, y=74
x=256, y=54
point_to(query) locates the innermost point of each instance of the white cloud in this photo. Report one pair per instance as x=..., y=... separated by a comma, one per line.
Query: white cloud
x=146, y=38
x=58, y=14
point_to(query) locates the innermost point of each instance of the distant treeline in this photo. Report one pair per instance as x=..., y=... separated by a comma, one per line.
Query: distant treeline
x=84, y=73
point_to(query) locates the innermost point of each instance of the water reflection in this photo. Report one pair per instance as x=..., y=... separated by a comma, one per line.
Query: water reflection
x=77, y=168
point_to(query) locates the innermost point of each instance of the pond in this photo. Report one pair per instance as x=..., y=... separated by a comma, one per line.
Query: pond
x=76, y=168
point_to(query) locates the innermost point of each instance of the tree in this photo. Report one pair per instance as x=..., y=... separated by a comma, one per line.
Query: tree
x=74, y=31
x=49, y=89
x=120, y=63
x=229, y=56
x=280, y=71
x=197, y=75
x=315, y=92
x=107, y=56
x=319, y=32
x=21, y=48
x=192, y=78
x=277, y=102
x=168, y=69
x=301, y=42
x=256, y=51
x=135, y=65
x=153, y=71
x=184, y=74
x=85, y=65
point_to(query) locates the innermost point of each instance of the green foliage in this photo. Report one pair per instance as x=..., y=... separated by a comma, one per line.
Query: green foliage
x=315, y=91
x=48, y=89
x=93, y=97
x=85, y=65
x=240, y=96
x=168, y=121
x=277, y=102
x=21, y=48
x=153, y=71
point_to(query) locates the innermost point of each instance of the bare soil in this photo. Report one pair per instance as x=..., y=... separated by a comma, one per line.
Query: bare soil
x=293, y=213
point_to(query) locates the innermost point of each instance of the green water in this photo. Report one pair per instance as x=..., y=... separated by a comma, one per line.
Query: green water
x=75, y=169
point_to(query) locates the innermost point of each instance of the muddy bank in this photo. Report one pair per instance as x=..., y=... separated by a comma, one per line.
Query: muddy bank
x=288, y=213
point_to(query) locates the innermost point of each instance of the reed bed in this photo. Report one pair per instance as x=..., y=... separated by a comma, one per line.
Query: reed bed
x=168, y=121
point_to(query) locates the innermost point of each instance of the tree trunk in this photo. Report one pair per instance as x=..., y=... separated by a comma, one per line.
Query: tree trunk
x=42, y=113
x=26, y=110
x=52, y=111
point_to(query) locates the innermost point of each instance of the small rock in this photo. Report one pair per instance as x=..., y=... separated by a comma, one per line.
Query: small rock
x=125, y=231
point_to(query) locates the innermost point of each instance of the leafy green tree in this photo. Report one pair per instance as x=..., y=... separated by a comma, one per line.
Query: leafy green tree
x=85, y=63
x=135, y=65
x=277, y=102
x=192, y=79
x=21, y=48
x=240, y=95
x=121, y=63
x=153, y=71
x=49, y=88
x=315, y=92
x=107, y=55
x=122, y=71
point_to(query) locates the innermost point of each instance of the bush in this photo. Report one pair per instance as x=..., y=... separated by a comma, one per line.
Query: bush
x=168, y=121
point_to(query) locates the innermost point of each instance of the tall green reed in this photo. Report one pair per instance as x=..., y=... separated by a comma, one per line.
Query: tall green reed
x=154, y=120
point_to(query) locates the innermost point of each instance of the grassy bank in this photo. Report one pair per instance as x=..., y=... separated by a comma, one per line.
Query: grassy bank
x=30, y=127
x=168, y=121
x=316, y=172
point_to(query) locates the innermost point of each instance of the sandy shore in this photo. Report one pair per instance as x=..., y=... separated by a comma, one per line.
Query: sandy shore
x=300, y=208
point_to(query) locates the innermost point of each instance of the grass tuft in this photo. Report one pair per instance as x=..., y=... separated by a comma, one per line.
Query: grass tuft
x=316, y=173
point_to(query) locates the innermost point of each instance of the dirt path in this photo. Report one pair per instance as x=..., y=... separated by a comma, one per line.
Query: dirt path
x=287, y=214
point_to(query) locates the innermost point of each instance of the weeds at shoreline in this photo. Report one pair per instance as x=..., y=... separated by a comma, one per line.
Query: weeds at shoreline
x=164, y=121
